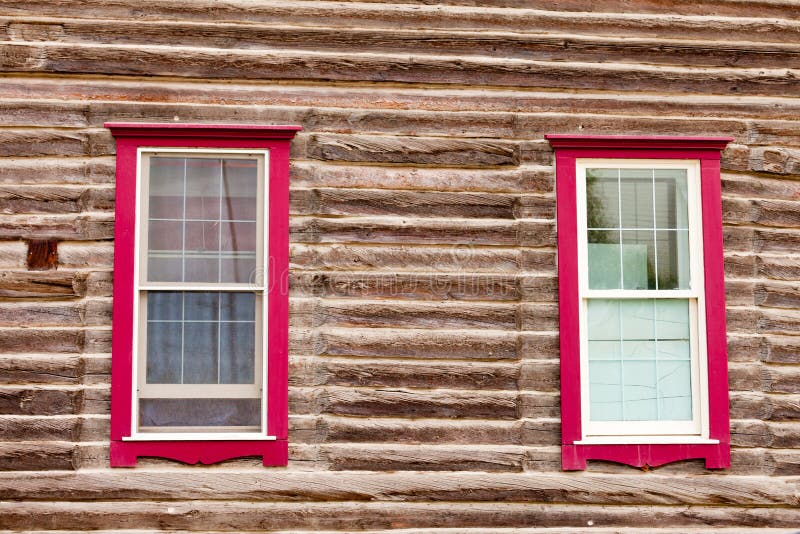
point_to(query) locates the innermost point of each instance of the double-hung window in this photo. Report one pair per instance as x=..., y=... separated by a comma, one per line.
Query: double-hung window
x=200, y=304
x=641, y=300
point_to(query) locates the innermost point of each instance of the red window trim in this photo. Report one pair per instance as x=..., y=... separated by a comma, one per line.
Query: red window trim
x=706, y=150
x=129, y=137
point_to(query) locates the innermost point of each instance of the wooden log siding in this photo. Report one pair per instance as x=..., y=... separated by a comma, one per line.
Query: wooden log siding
x=424, y=363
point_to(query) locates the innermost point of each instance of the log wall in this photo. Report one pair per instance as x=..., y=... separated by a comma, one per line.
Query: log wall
x=424, y=360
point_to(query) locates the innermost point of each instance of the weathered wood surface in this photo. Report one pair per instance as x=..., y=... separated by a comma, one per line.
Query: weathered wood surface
x=424, y=370
x=355, y=516
x=582, y=488
x=360, y=15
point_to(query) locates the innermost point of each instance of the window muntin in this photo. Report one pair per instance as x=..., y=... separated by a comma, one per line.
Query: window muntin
x=641, y=299
x=201, y=322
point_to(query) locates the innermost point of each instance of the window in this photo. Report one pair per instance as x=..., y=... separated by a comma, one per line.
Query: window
x=199, y=356
x=641, y=298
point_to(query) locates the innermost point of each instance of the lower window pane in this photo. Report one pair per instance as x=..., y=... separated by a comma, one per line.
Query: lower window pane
x=639, y=360
x=200, y=413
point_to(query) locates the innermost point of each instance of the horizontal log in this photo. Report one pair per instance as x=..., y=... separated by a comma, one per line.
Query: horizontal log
x=85, y=255
x=413, y=150
x=764, y=212
x=54, y=199
x=399, y=258
x=38, y=456
x=778, y=267
x=738, y=293
x=56, y=170
x=422, y=231
x=32, y=113
x=781, y=379
x=41, y=369
x=91, y=312
x=39, y=428
x=423, y=458
x=413, y=518
x=746, y=348
x=13, y=254
x=161, y=97
x=398, y=373
x=330, y=14
x=384, y=430
x=738, y=239
x=426, y=127
x=686, y=7
x=775, y=295
x=21, y=340
x=424, y=286
x=757, y=433
x=419, y=403
x=29, y=401
x=351, y=202
x=745, y=377
x=554, y=47
x=765, y=407
x=339, y=66
x=739, y=266
x=303, y=486
x=25, y=285
x=781, y=349
x=432, y=315
x=81, y=227
x=406, y=343
x=531, y=179
x=775, y=241
x=760, y=187
x=540, y=375
x=99, y=284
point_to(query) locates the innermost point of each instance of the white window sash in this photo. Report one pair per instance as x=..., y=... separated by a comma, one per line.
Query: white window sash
x=260, y=287
x=647, y=431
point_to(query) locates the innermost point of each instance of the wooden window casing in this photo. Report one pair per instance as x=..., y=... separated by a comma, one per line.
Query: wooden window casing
x=137, y=143
x=645, y=443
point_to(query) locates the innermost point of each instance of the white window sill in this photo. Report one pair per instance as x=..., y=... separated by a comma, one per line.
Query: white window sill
x=646, y=440
x=159, y=436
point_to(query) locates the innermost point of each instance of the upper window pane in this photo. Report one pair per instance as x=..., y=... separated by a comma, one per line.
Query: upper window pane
x=202, y=219
x=637, y=228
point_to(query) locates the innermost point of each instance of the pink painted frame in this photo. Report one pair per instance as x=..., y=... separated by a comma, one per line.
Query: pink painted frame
x=707, y=151
x=130, y=137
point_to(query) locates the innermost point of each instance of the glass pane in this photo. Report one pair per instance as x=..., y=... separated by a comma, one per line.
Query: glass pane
x=202, y=306
x=640, y=391
x=236, y=360
x=164, y=349
x=605, y=392
x=203, y=219
x=200, y=352
x=672, y=318
x=604, y=259
x=605, y=350
x=636, y=198
x=603, y=315
x=638, y=253
x=646, y=343
x=240, y=187
x=201, y=337
x=675, y=388
x=237, y=306
x=673, y=259
x=638, y=319
x=602, y=198
x=200, y=412
x=672, y=206
x=203, y=189
x=166, y=188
